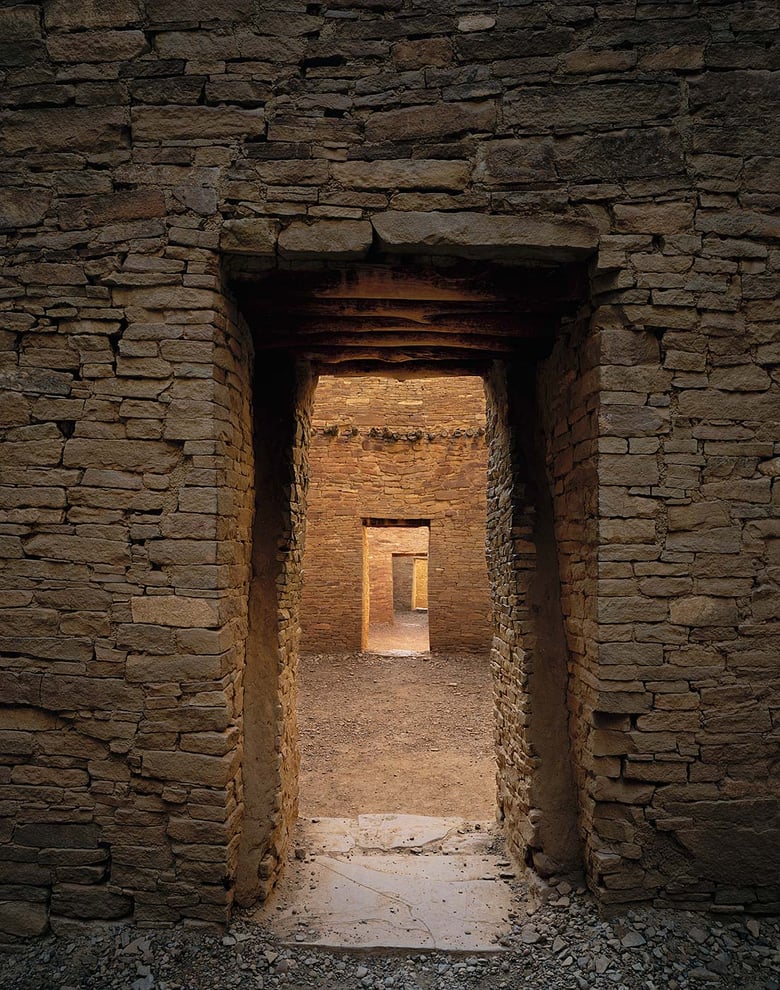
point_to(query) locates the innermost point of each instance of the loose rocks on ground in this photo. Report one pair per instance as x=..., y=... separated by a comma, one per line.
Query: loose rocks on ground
x=558, y=942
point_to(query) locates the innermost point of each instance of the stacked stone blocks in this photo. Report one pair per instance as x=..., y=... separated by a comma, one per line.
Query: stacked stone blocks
x=144, y=146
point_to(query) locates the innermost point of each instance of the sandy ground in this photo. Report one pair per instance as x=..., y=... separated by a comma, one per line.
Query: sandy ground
x=407, y=632
x=403, y=734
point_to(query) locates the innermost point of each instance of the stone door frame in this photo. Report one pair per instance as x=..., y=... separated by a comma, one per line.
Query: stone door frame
x=533, y=814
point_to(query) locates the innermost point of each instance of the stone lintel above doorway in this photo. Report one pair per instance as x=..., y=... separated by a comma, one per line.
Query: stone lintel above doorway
x=477, y=235
x=458, y=235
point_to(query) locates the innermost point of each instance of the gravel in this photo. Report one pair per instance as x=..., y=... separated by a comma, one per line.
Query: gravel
x=557, y=942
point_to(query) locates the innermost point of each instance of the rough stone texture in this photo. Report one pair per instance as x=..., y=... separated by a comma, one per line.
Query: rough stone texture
x=387, y=449
x=478, y=236
x=134, y=136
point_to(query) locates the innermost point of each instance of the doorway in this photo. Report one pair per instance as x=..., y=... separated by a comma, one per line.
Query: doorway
x=397, y=720
x=531, y=418
x=395, y=586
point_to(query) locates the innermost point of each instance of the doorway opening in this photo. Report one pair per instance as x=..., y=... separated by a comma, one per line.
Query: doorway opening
x=395, y=713
x=396, y=740
x=521, y=333
x=395, y=586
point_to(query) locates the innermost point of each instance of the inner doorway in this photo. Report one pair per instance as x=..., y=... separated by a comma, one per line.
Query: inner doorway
x=395, y=586
x=398, y=718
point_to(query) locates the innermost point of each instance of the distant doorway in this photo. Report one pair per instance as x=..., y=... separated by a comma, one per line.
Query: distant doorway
x=395, y=586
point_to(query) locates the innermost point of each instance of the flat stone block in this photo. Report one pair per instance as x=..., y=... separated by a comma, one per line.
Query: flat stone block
x=699, y=610
x=88, y=902
x=23, y=208
x=21, y=918
x=95, y=129
x=337, y=239
x=348, y=899
x=249, y=236
x=175, y=610
x=189, y=768
x=415, y=174
x=187, y=123
x=477, y=235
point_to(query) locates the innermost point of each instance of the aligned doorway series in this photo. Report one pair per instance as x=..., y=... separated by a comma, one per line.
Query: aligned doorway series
x=490, y=320
x=395, y=585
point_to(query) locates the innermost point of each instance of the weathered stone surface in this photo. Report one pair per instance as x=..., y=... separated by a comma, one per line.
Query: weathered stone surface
x=121, y=455
x=249, y=236
x=664, y=218
x=435, y=121
x=632, y=153
x=23, y=918
x=195, y=123
x=337, y=239
x=414, y=174
x=477, y=236
x=92, y=13
x=92, y=130
x=171, y=11
x=578, y=108
x=87, y=901
x=20, y=23
x=23, y=207
x=97, y=46
x=511, y=161
x=189, y=768
x=698, y=610
x=422, y=53
x=64, y=693
x=65, y=835
x=175, y=610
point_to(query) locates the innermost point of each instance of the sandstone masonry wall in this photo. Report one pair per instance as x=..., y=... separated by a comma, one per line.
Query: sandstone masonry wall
x=145, y=145
x=389, y=449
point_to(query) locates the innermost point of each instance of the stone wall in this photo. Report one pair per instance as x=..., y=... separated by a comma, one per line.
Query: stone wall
x=146, y=148
x=389, y=449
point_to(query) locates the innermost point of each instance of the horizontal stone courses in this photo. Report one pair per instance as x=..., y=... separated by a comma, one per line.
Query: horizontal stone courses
x=146, y=142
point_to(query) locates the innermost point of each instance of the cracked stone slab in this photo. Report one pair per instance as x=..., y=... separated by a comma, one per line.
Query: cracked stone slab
x=388, y=832
x=445, y=902
x=325, y=835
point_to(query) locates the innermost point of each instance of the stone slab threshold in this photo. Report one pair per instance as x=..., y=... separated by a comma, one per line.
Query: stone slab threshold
x=394, y=882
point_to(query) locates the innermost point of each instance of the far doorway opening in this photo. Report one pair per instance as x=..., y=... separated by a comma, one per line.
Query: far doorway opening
x=395, y=586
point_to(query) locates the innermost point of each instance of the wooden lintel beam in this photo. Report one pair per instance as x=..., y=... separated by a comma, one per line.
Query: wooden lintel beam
x=395, y=338
x=467, y=280
x=393, y=356
x=295, y=311
x=508, y=325
x=403, y=372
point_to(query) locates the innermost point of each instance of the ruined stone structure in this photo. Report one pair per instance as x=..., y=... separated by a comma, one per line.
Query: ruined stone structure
x=201, y=206
x=384, y=450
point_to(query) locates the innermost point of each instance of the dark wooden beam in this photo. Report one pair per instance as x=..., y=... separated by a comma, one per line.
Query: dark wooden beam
x=393, y=355
x=402, y=372
x=408, y=337
x=468, y=280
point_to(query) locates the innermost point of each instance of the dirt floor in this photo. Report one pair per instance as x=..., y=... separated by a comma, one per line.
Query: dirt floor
x=407, y=734
x=408, y=632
